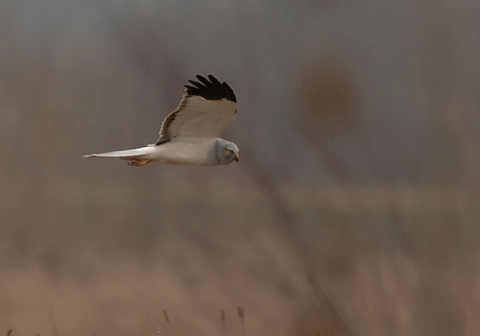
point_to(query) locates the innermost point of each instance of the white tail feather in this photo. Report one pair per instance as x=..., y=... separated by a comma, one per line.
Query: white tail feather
x=127, y=154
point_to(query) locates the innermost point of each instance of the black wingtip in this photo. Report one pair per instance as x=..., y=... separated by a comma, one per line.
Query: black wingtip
x=210, y=89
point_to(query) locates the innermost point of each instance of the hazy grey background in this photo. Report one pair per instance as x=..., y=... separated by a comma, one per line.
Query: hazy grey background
x=353, y=210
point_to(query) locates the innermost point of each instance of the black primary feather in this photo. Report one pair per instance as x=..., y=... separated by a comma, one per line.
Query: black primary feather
x=210, y=89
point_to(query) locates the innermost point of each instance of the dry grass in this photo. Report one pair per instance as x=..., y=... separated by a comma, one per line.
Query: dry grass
x=417, y=275
x=374, y=296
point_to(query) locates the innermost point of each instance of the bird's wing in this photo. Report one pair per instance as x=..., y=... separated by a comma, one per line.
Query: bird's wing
x=205, y=110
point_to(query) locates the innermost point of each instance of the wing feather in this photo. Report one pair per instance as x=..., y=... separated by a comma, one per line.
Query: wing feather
x=205, y=110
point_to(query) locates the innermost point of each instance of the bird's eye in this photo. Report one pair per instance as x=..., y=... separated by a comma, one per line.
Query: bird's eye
x=228, y=151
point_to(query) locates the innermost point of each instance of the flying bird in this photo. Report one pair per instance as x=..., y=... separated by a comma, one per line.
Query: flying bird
x=189, y=135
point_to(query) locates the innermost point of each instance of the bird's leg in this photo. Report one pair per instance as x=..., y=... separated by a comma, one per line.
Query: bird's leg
x=138, y=162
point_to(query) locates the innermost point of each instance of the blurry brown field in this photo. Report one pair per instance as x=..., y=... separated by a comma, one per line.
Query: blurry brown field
x=363, y=274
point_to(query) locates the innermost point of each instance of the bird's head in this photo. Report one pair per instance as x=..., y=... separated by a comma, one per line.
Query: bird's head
x=226, y=152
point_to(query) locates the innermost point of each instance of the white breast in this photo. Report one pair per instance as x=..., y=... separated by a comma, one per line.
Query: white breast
x=184, y=151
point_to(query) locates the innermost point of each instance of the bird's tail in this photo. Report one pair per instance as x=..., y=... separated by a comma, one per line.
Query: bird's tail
x=128, y=154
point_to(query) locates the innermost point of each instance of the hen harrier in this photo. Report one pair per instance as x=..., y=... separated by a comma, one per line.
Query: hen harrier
x=188, y=135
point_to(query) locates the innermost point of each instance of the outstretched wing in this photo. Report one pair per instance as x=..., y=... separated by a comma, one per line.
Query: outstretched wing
x=205, y=110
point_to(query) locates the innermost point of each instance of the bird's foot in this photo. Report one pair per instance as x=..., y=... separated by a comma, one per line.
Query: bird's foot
x=138, y=162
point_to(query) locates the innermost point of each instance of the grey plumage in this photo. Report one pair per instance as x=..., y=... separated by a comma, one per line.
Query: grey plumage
x=224, y=152
x=189, y=135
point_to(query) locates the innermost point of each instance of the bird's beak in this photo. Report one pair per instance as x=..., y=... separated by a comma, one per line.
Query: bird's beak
x=236, y=157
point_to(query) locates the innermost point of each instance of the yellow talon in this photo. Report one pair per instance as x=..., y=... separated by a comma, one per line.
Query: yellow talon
x=138, y=162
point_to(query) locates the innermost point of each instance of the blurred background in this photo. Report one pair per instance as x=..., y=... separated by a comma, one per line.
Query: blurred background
x=353, y=209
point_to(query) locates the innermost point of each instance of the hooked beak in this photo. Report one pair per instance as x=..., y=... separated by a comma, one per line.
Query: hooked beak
x=236, y=157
